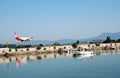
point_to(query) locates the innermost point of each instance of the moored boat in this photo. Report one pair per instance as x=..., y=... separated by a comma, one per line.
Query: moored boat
x=83, y=52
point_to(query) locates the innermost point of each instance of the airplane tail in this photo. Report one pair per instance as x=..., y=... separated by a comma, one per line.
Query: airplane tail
x=15, y=34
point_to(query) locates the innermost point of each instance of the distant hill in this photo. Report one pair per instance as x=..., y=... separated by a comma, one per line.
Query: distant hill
x=36, y=42
x=104, y=35
x=47, y=42
x=65, y=41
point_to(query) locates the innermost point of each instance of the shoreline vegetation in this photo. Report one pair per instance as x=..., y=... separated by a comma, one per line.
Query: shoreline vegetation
x=95, y=46
x=58, y=49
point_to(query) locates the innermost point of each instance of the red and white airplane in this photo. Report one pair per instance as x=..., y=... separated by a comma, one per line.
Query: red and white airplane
x=22, y=39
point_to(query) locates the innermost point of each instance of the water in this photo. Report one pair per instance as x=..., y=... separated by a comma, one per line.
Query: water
x=100, y=65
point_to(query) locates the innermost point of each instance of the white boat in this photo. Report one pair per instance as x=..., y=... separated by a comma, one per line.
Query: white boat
x=83, y=52
x=84, y=56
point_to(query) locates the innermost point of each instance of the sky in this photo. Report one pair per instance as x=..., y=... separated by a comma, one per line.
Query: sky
x=58, y=19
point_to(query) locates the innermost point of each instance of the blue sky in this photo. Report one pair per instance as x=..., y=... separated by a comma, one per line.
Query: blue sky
x=58, y=19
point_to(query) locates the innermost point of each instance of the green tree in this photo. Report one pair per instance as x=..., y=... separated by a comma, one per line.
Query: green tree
x=56, y=44
x=19, y=46
x=27, y=49
x=45, y=48
x=16, y=49
x=54, y=47
x=64, y=47
x=74, y=45
x=77, y=42
x=118, y=40
x=41, y=45
x=97, y=43
x=108, y=40
x=38, y=47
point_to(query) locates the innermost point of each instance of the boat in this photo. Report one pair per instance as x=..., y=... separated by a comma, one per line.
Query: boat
x=83, y=52
x=83, y=56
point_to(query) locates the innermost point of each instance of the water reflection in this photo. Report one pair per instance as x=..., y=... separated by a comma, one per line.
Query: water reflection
x=88, y=57
x=18, y=62
x=106, y=53
x=26, y=59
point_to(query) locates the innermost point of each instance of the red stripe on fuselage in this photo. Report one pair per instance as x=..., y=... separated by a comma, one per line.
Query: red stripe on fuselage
x=19, y=39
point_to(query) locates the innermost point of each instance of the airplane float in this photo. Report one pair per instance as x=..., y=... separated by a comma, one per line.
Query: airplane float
x=22, y=39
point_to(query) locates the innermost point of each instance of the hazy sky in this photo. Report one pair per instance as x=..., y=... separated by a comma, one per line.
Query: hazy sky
x=58, y=19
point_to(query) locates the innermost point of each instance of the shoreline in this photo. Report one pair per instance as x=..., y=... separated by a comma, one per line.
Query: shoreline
x=7, y=54
x=16, y=56
x=59, y=49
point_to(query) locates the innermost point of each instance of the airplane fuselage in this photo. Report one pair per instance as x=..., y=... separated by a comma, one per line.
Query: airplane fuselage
x=22, y=38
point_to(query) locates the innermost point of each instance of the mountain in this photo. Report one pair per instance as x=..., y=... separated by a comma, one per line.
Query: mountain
x=46, y=42
x=99, y=37
x=65, y=41
x=104, y=35
x=35, y=42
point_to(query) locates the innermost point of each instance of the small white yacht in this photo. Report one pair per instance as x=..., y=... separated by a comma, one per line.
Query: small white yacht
x=83, y=52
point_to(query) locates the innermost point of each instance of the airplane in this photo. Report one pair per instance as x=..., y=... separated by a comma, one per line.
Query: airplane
x=22, y=39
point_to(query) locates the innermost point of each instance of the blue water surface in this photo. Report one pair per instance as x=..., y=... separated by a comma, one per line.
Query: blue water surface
x=99, y=65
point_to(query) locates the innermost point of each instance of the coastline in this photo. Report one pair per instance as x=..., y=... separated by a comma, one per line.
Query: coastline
x=47, y=52
x=33, y=56
x=58, y=49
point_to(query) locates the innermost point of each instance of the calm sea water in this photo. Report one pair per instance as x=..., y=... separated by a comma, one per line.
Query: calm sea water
x=100, y=65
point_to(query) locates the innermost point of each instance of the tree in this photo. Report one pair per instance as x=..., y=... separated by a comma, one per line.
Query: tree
x=16, y=49
x=74, y=45
x=64, y=47
x=54, y=47
x=97, y=43
x=118, y=40
x=77, y=42
x=27, y=49
x=108, y=40
x=41, y=45
x=56, y=44
x=45, y=48
x=19, y=46
x=38, y=47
